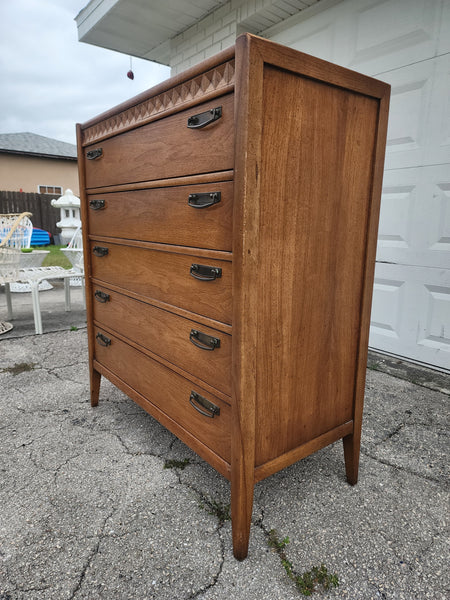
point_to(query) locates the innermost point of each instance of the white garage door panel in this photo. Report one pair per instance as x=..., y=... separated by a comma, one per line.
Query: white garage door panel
x=444, y=37
x=415, y=217
x=370, y=36
x=407, y=44
x=391, y=34
x=411, y=313
x=419, y=114
x=319, y=40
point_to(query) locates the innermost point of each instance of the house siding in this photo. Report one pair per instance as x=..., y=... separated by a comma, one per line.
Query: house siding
x=26, y=173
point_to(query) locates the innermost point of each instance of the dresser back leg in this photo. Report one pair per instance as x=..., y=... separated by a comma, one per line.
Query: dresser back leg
x=352, y=444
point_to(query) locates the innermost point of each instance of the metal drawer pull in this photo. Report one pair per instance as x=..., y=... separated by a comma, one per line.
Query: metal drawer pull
x=203, y=341
x=210, y=409
x=204, y=200
x=101, y=296
x=102, y=340
x=96, y=204
x=204, y=118
x=205, y=273
x=100, y=251
x=94, y=154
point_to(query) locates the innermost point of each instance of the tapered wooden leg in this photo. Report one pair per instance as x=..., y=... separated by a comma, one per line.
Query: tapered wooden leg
x=241, y=510
x=95, y=387
x=351, y=454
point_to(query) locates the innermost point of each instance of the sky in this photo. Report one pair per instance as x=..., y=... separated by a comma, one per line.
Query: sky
x=49, y=81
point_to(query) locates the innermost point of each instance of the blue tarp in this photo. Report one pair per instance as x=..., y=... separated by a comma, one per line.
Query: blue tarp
x=40, y=237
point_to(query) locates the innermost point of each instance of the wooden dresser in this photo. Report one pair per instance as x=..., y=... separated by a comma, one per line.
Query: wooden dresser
x=230, y=220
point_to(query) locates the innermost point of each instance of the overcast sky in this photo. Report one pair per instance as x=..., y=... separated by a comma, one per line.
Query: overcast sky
x=49, y=80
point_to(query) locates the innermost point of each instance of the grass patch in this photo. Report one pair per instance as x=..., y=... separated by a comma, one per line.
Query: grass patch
x=217, y=509
x=310, y=580
x=56, y=258
x=176, y=464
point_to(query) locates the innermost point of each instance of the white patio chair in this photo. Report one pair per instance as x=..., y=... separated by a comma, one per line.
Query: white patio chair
x=74, y=253
x=15, y=234
x=34, y=276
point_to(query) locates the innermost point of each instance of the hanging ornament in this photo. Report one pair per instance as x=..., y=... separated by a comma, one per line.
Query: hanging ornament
x=130, y=73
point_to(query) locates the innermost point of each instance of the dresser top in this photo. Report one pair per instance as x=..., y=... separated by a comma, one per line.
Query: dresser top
x=210, y=78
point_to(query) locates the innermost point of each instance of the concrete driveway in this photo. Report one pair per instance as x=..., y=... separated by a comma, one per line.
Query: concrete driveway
x=89, y=511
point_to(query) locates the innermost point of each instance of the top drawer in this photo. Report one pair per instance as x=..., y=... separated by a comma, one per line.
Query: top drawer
x=165, y=148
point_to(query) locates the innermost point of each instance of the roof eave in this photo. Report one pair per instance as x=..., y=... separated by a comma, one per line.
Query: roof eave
x=37, y=154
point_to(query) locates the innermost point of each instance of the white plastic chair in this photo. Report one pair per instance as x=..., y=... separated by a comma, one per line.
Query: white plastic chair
x=15, y=234
x=34, y=276
x=74, y=250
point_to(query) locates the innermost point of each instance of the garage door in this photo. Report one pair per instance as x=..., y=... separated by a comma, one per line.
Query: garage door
x=405, y=43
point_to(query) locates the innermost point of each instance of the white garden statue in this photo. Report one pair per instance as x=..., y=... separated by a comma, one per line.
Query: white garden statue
x=69, y=205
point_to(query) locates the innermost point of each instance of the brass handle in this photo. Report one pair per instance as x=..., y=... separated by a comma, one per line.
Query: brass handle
x=204, y=200
x=94, y=154
x=96, y=204
x=205, y=273
x=204, y=118
x=210, y=409
x=100, y=251
x=102, y=340
x=203, y=341
x=101, y=296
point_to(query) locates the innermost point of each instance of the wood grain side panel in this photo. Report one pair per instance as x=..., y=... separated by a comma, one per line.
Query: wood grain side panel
x=163, y=215
x=165, y=276
x=166, y=335
x=316, y=170
x=169, y=392
x=165, y=148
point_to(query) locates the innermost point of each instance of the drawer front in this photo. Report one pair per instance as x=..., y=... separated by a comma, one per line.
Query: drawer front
x=168, y=391
x=178, y=340
x=167, y=215
x=164, y=276
x=165, y=148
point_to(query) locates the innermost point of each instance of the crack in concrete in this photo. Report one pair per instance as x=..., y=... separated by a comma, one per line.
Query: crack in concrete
x=393, y=433
x=217, y=574
x=91, y=556
x=127, y=449
x=206, y=501
x=400, y=467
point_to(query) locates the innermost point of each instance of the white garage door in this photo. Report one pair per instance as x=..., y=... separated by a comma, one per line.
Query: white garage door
x=405, y=43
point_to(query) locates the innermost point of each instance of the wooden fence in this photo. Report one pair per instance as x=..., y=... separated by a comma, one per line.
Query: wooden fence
x=45, y=216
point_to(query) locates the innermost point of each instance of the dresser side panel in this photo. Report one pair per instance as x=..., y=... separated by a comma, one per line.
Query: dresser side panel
x=316, y=186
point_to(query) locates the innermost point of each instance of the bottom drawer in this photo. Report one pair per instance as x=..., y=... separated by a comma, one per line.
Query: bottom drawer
x=203, y=415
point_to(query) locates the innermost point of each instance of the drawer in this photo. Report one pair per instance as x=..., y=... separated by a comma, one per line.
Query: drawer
x=165, y=276
x=174, y=338
x=164, y=215
x=165, y=148
x=167, y=390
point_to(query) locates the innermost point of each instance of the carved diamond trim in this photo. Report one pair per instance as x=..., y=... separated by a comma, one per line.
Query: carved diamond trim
x=221, y=76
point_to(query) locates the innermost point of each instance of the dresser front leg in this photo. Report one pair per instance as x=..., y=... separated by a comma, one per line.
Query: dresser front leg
x=95, y=378
x=352, y=444
x=242, y=483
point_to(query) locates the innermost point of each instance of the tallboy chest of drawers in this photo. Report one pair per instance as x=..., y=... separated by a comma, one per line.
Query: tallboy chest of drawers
x=230, y=219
